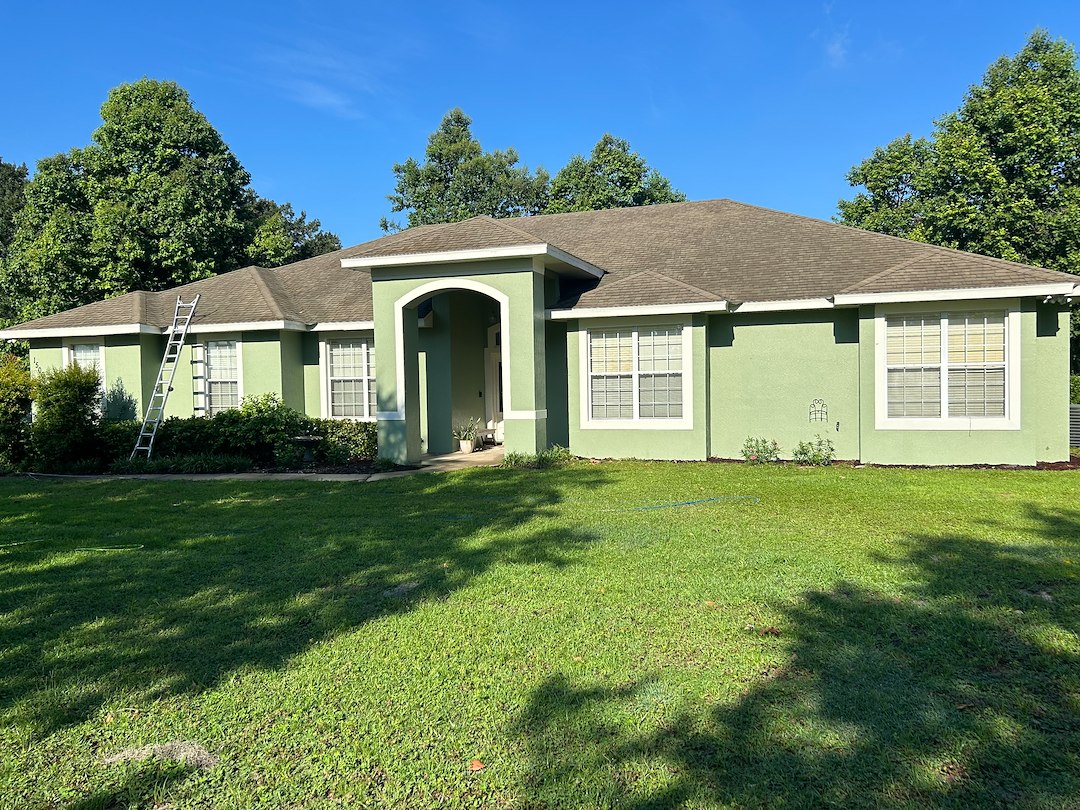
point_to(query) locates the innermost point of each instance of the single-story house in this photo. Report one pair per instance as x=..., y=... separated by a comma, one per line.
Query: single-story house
x=666, y=332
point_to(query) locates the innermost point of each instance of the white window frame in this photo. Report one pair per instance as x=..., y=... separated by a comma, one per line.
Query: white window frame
x=69, y=358
x=69, y=353
x=325, y=380
x=686, y=422
x=204, y=348
x=1011, y=420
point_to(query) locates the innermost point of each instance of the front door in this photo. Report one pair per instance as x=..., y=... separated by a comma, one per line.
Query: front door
x=494, y=378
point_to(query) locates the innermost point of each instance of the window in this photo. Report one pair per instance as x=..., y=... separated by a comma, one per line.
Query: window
x=949, y=366
x=222, y=376
x=351, y=376
x=86, y=355
x=635, y=373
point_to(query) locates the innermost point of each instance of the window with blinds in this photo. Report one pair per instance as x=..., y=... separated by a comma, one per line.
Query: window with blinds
x=962, y=375
x=636, y=373
x=86, y=355
x=351, y=378
x=222, y=376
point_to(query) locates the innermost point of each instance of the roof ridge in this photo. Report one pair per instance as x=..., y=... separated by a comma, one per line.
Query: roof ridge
x=506, y=226
x=265, y=291
x=881, y=274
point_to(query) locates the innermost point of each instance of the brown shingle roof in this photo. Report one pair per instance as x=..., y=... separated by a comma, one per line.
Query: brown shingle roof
x=728, y=250
x=664, y=254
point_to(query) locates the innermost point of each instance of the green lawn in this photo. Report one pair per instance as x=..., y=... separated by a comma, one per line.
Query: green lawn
x=847, y=637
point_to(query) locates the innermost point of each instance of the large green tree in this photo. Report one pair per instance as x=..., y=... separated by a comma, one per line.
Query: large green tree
x=999, y=176
x=458, y=180
x=611, y=177
x=13, y=179
x=157, y=199
x=281, y=237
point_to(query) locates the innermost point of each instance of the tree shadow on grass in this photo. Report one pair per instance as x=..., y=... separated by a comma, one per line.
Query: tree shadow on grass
x=964, y=691
x=202, y=579
x=147, y=784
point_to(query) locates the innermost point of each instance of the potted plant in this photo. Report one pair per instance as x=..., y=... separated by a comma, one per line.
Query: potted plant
x=466, y=434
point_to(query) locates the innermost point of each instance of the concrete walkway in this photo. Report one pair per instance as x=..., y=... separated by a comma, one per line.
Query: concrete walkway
x=488, y=457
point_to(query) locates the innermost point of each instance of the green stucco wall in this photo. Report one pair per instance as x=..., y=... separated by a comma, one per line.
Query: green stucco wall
x=691, y=443
x=1044, y=359
x=766, y=369
x=311, y=380
x=525, y=427
x=558, y=421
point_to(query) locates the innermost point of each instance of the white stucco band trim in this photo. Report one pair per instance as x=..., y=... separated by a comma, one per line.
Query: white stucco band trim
x=972, y=293
x=440, y=285
x=636, y=311
x=473, y=255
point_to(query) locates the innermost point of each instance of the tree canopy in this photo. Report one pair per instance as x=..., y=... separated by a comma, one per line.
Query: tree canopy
x=458, y=180
x=611, y=177
x=13, y=181
x=999, y=176
x=157, y=199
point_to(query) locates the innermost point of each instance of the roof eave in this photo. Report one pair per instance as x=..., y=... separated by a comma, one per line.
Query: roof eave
x=79, y=331
x=634, y=311
x=1066, y=288
x=473, y=255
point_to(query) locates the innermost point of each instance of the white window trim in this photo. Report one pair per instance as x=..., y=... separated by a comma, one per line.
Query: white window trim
x=325, y=340
x=203, y=348
x=69, y=356
x=1011, y=421
x=637, y=423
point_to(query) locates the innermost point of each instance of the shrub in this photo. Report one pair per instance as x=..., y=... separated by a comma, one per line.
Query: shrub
x=66, y=431
x=14, y=411
x=345, y=440
x=760, y=451
x=554, y=456
x=815, y=453
x=119, y=404
x=1074, y=389
x=183, y=465
x=118, y=440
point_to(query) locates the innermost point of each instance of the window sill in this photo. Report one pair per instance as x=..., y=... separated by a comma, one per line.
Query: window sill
x=637, y=424
x=964, y=424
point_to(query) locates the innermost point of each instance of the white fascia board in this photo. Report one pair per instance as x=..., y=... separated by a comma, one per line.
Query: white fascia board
x=1019, y=291
x=473, y=255
x=344, y=326
x=574, y=261
x=80, y=331
x=784, y=306
x=245, y=326
x=445, y=257
x=620, y=312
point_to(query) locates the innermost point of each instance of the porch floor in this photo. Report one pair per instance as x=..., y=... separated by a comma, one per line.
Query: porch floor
x=488, y=457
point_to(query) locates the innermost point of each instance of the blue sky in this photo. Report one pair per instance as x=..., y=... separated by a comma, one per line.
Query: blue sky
x=768, y=103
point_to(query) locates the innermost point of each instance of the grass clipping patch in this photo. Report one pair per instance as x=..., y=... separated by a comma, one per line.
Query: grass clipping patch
x=185, y=752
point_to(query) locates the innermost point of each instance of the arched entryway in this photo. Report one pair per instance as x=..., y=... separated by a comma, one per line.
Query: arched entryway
x=460, y=348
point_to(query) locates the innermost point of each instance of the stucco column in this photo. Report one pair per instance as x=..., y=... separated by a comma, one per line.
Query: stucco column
x=525, y=409
x=398, y=415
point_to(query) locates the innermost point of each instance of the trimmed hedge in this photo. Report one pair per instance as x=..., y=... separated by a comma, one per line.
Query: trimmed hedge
x=1074, y=389
x=261, y=432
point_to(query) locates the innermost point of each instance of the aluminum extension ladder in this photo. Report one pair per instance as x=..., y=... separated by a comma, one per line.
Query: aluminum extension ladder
x=155, y=409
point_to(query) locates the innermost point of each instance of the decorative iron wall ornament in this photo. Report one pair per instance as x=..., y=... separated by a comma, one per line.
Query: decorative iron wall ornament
x=819, y=411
